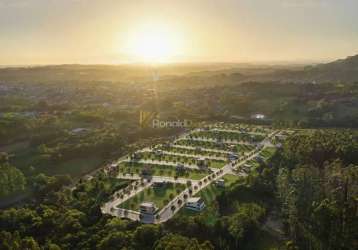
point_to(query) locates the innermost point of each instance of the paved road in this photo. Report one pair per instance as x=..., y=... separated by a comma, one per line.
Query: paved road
x=166, y=163
x=112, y=208
x=221, y=141
x=154, y=178
x=108, y=207
x=198, y=155
x=202, y=149
x=238, y=131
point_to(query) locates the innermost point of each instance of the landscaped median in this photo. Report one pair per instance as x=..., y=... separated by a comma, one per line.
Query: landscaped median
x=160, y=196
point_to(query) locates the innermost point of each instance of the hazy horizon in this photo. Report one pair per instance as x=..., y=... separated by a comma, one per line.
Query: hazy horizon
x=138, y=63
x=51, y=32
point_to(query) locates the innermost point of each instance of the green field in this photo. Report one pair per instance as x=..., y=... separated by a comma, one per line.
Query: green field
x=160, y=196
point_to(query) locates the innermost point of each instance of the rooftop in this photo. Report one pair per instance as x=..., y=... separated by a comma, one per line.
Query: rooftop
x=147, y=204
x=194, y=199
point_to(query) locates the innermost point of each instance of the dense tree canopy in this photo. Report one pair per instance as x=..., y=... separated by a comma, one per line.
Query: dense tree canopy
x=318, y=187
x=11, y=179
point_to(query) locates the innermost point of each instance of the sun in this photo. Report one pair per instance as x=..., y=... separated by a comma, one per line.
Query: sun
x=153, y=44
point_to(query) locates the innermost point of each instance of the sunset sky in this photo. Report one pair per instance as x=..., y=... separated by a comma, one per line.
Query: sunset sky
x=121, y=31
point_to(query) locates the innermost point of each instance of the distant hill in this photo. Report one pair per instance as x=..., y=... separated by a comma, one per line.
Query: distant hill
x=115, y=73
x=343, y=70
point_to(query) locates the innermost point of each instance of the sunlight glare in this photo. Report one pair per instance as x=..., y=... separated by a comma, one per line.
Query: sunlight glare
x=154, y=44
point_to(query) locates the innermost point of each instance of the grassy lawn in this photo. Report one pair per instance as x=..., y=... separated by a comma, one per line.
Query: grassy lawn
x=161, y=170
x=268, y=152
x=160, y=196
x=209, y=195
x=217, y=164
x=210, y=192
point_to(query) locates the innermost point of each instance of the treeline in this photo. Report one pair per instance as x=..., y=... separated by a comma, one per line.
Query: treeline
x=317, y=186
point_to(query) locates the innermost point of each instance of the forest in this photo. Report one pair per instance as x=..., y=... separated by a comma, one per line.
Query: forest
x=311, y=183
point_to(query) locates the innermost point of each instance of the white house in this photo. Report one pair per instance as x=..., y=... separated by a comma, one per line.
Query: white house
x=195, y=203
x=232, y=156
x=202, y=162
x=147, y=208
x=220, y=183
x=158, y=152
x=180, y=167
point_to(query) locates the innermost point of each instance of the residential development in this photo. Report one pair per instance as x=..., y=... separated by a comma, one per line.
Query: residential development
x=168, y=177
